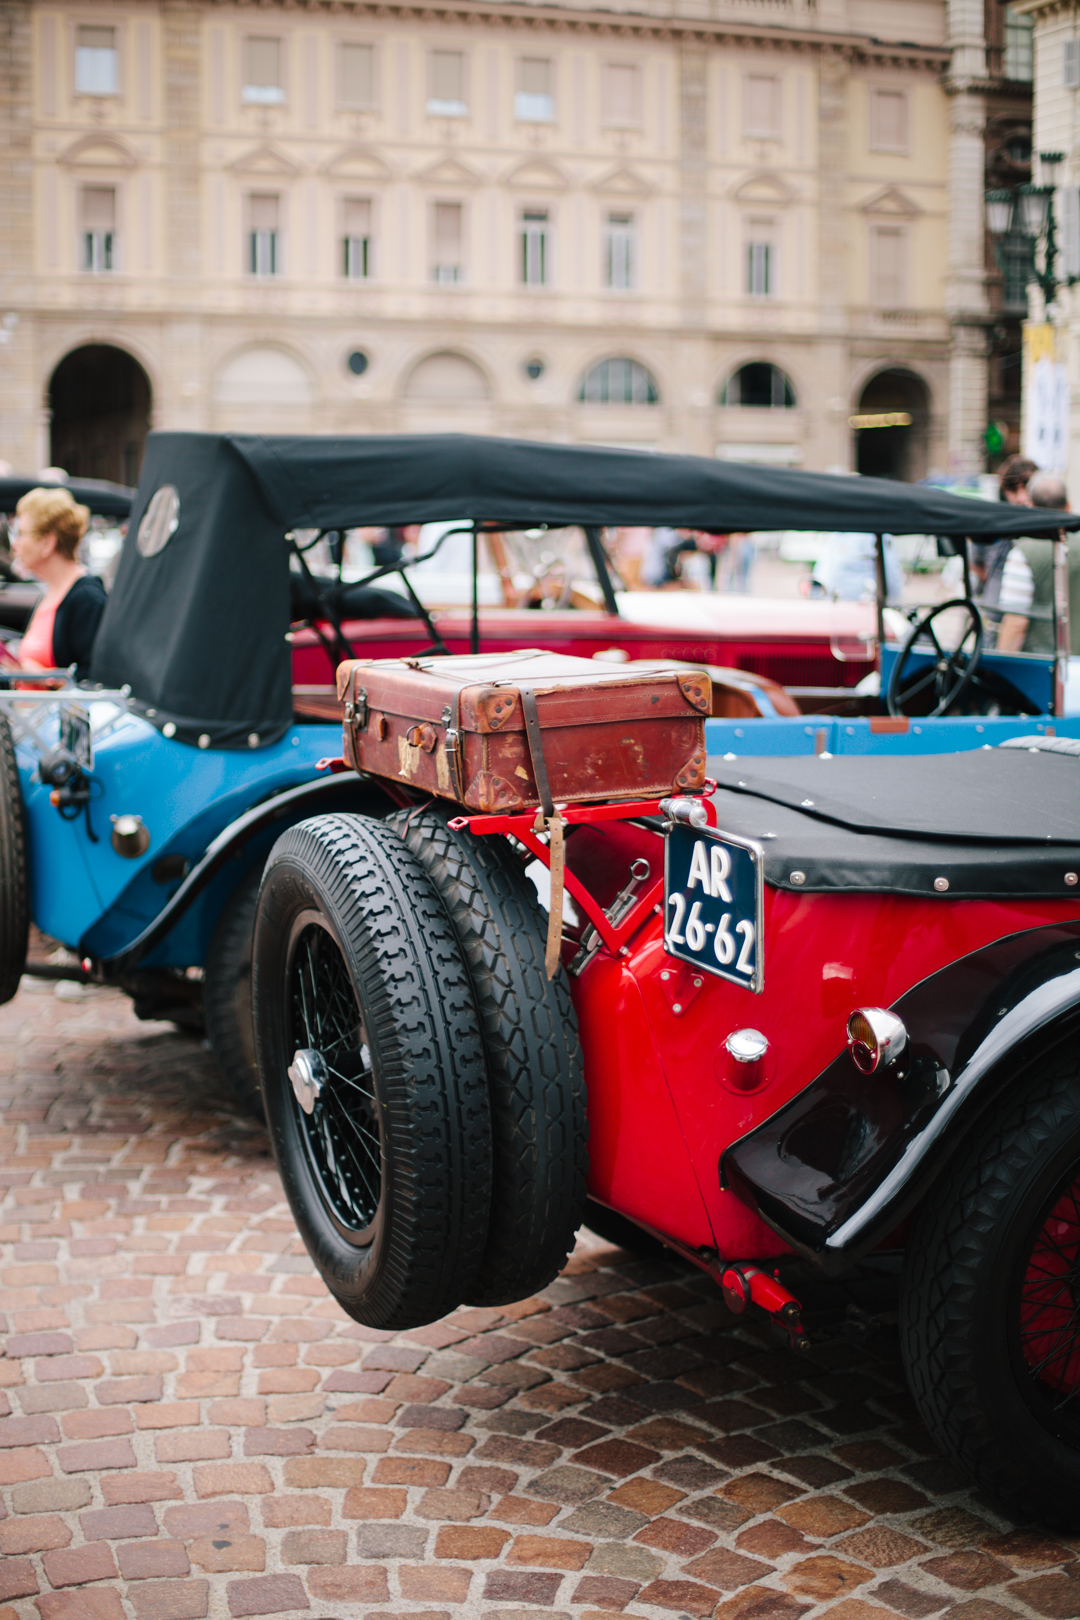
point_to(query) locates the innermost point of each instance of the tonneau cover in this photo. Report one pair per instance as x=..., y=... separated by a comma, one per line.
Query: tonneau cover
x=986, y=824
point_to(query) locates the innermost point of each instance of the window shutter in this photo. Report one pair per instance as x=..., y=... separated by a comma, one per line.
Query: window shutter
x=761, y=105
x=357, y=212
x=621, y=95
x=888, y=121
x=1070, y=230
x=448, y=233
x=262, y=62
x=889, y=255
x=99, y=208
x=356, y=75
x=1070, y=55
x=536, y=75
x=264, y=212
x=447, y=76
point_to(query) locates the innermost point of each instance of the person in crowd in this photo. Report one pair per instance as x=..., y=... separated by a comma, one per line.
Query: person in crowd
x=1026, y=597
x=49, y=528
x=988, y=559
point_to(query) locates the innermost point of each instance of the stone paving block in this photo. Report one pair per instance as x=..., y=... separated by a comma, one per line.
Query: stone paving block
x=220, y=1552
x=152, y=1560
x=470, y=1542
x=434, y=1584
x=17, y=1578
x=99, y=1604
x=390, y=1540
x=761, y=1603
x=77, y=1566
x=346, y=1583
x=825, y=1576
x=170, y=1600
x=279, y=1512
x=619, y=1558
x=521, y=1586
x=33, y=1534
x=685, y=1596
x=315, y=1547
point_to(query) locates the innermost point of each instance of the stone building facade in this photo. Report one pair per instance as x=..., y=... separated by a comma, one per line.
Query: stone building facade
x=722, y=226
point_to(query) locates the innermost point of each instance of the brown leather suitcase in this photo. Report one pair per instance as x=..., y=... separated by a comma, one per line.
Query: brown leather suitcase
x=511, y=731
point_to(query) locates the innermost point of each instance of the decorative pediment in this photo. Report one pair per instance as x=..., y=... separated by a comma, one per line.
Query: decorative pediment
x=449, y=171
x=537, y=174
x=99, y=152
x=765, y=188
x=357, y=163
x=264, y=160
x=890, y=201
x=623, y=182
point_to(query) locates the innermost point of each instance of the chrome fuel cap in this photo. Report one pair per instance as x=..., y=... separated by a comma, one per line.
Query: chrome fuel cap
x=308, y=1074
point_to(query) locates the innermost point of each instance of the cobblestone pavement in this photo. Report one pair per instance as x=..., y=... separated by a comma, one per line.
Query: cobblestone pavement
x=191, y=1427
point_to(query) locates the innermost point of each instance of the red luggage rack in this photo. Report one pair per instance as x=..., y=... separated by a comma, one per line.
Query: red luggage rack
x=521, y=825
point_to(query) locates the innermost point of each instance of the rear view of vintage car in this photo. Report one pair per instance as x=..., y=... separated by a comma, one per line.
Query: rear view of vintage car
x=816, y=1006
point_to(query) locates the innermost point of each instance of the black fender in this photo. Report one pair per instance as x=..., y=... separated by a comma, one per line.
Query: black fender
x=346, y=791
x=836, y=1169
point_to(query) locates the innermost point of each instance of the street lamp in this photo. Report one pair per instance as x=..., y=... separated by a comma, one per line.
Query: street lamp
x=1029, y=212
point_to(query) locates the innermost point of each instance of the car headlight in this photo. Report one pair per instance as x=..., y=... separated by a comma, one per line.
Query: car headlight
x=875, y=1037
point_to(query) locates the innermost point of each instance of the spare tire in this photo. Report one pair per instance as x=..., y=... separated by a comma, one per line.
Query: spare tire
x=539, y=1125
x=14, y=885
x=372, y=1071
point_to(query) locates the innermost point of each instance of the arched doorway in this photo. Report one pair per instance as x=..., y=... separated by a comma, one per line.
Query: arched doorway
x=887, y=448
x=99, y=399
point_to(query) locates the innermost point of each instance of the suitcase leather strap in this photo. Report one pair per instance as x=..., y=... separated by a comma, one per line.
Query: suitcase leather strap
x=452, y=746
x=546, y=821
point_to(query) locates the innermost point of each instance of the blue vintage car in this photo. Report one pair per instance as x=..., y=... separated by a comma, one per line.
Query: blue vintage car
x=137, y=810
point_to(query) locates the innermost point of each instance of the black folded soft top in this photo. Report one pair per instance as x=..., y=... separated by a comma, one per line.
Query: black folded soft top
x=991, y=823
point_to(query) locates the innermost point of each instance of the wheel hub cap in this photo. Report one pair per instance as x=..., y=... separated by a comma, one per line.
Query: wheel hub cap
x=308, y=1074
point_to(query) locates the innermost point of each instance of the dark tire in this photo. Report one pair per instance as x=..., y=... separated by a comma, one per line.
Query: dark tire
x=539, y=1126
x=14, y=887
x=227, y=994
x=990, y=1308
x=389, y=1174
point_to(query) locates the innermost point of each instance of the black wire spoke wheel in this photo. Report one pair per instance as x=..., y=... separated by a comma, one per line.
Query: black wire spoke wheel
x=930, y=691
x=14, y=883
x=990, y=1306
x=372, y=1071
x=1045, y=1319
x=333, y=1084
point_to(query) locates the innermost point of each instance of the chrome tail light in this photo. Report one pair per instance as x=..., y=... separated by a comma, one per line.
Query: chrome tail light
x=875, y=1037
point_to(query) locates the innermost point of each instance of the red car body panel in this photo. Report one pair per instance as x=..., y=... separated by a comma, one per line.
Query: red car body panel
x=790, y=643
x=662, y=1103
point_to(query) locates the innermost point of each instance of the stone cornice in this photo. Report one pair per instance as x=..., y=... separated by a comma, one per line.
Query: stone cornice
x=857, y=48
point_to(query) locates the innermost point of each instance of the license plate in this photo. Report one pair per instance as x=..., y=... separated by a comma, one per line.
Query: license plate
x=713, y=903
x=75, y=734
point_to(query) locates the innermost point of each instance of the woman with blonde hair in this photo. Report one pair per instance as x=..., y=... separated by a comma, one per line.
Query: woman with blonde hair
x=45, y=544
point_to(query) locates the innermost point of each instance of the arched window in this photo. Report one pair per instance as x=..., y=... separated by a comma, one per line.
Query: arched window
x=758, y=385
x=619, y=382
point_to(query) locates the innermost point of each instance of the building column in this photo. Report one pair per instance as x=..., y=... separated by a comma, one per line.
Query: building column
x=966, y=295
x=18, y=382
x=834, y=448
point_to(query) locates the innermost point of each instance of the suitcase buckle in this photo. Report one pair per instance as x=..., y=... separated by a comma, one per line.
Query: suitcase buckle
x=356, y=710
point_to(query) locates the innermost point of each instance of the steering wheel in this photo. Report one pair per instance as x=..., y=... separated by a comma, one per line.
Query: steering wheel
x=951, y=673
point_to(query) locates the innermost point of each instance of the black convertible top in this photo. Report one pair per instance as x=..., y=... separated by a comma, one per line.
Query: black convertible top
x=103, y=498
x=989, y=823
x=197, y=627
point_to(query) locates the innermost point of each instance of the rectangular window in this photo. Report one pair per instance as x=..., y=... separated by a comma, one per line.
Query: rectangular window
x=1016, y=255
x=888, y=121
x=264, y=236
x=535, y=252
x=96, y=62
x=356, y=76
x=262, y=84
x=761, y=269
x=534, y=102
x=761, y=106
x=447, y=268
x=1018, y=62
x=888, y=266
x=622, y=95
x=98, y=207
x=358, y=255
x=620, y=252
x=446, y=84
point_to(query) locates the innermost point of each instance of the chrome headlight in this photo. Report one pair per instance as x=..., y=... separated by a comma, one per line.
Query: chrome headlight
x=875, y=1037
